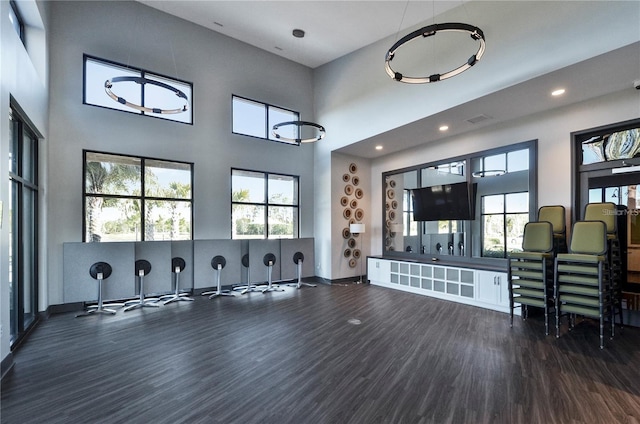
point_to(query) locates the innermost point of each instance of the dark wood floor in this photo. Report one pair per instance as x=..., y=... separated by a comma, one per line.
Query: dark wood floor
x=298, y=357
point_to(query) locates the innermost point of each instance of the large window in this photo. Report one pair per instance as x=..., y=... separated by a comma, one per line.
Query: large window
x=256, y=119
x=156, y=95
x=263, y=205
x=129, y=198
x=23, y=225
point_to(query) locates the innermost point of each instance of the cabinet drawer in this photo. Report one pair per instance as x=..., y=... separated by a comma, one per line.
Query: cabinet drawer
x=633, y=259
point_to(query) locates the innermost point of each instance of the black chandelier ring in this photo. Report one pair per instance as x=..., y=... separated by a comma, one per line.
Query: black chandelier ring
x=108, y=84
x=320, y=128
x=475, y=33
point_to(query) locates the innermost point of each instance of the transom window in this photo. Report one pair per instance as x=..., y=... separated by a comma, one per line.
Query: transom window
x=129, y=198
x=256, y=119
x=98, y=71
x=263, y=205
x=16, y=21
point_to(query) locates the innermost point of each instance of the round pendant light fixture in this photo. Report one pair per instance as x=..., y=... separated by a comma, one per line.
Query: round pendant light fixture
x=428, y=31
x=299, y=125
x=108, y=85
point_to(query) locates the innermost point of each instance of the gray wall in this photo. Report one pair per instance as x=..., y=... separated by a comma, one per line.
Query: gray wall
x=131, y=33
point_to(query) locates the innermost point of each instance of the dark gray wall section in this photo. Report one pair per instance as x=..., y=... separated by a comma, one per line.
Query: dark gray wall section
x=78, y=258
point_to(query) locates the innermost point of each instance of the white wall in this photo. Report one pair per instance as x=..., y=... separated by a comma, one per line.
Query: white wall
x=552, y=129
x=23, y=76
x=134, y=34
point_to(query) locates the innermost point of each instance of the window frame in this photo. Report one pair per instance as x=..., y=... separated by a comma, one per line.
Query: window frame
x=19, y=25
x=268, y=125
x=141, y=198
x=266, y=203
x=143, y=72
x=505, y=213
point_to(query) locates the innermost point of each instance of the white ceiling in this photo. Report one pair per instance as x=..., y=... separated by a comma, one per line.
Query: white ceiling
x=576, y=43
x=333, y=28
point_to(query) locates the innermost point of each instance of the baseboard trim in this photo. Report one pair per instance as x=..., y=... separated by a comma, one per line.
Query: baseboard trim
x=6, y=366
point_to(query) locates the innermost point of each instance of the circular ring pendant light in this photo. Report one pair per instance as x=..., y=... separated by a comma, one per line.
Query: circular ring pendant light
x=428, y=31
x=299, y=124
x=108, y=84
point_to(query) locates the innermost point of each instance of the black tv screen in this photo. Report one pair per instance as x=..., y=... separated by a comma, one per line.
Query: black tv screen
x=443, y=202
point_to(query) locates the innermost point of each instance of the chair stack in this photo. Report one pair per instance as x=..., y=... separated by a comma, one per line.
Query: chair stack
x=530, y=272
x=582, y=277
x=608, y=213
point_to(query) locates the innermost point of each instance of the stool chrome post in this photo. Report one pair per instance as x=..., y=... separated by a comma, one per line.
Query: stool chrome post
x=100, y=271
x=178, y=265
x=269, y=260
x=217, y=263
x=298, y=258
x=249, y=287
x=143, y=267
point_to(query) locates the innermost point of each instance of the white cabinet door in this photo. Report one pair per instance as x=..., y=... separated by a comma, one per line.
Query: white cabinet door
x=492, y=287
x=378, y=270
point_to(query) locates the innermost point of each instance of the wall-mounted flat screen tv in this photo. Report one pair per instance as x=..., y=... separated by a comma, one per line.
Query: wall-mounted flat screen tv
x=444, y=202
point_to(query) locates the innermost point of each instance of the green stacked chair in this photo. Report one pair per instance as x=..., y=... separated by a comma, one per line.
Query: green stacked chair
x=556, y=215
x=530, y=272
x=581, y=277
x=608, y=213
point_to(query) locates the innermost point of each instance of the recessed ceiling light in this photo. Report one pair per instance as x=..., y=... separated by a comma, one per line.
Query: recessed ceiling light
x=378, y=147
x=558, y=92
x=298, y=33
x=444, y=127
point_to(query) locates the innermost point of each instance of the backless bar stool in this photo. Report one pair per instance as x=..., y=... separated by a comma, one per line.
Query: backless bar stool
x=143, y=268
x=217, y=263
x=249, y=287
x=177, y=266
x=298, y=258
x=99, y=271
x=270, y=260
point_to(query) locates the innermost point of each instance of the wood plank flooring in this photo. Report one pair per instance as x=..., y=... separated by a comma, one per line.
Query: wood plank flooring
x=298, y=357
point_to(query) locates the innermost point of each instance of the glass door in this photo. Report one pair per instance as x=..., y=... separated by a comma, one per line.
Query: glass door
x=23, y=229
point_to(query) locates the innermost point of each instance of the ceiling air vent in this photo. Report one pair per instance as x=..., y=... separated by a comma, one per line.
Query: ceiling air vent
x=478, y=119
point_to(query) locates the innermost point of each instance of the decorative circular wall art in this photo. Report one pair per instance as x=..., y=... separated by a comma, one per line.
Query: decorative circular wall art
x=356, y=253
x=346, y=178
x=353, y=204
x=359, y=193
x=353, y=168
x=355, y=181
x=348, y=189
x=352, y=263
x=351, y=243
x=344, y=200
x=347, y=253
x=391, y=194
x=346, y=233
x=394, y=204
x=346, y=213
x=359, y=214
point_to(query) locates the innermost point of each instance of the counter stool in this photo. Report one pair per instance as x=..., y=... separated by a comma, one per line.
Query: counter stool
x=270, y=260
x=143, y=268
x=249, y=287
x=217, y=263
x=177, y=266
x=99, y=271
x=298, y=258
